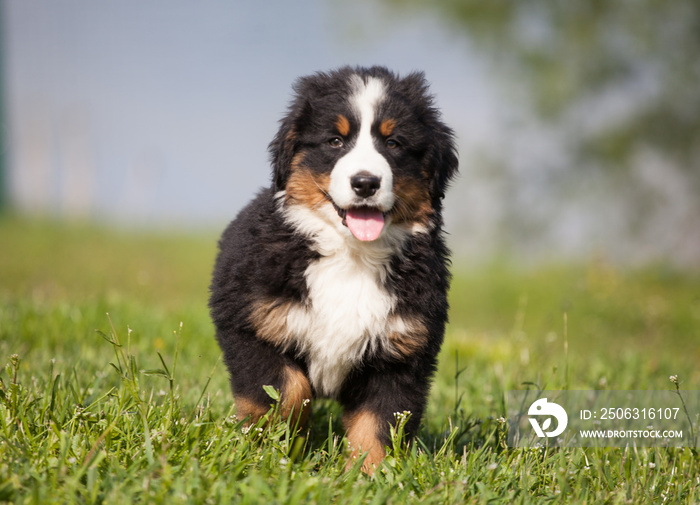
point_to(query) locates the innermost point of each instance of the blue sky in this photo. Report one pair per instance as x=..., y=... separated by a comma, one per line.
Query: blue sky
x=162, y=112
x=158, y=113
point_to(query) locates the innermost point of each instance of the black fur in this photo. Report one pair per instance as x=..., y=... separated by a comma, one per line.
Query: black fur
x=260, y=256
x=263, y=257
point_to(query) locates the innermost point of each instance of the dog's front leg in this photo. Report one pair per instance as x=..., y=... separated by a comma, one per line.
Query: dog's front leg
x=372, y=398
x=254, y=364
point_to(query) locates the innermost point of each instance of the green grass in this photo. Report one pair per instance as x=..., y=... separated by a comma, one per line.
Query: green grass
x=135, y=406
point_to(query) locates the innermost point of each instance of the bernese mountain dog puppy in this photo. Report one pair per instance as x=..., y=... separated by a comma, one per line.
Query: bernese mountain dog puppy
x=333, y=281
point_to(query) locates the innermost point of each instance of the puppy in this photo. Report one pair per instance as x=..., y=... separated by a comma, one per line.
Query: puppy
x=333, y=281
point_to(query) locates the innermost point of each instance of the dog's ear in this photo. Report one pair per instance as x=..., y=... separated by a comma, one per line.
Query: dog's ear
x=286, y=142
x=444, y=161
x=282, y=149
x=441, y=158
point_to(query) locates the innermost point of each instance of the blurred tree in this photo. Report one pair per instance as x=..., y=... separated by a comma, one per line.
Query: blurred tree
x=620, y=82
x=580, y=55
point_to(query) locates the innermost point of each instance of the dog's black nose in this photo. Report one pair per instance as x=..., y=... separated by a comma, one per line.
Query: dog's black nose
x=365, y=184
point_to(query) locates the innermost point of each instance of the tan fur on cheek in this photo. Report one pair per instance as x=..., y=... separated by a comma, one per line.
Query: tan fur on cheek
x=305, y=187
x=362, y=427
x=413, y=203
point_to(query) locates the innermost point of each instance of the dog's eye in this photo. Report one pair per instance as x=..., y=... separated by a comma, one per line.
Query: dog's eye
x=391, y=144
x=336, y=142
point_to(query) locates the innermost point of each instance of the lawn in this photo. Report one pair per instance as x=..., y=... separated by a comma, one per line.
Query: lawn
x=112, y=389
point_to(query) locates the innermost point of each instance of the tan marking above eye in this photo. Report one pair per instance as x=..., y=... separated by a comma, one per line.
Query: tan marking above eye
x=387, y=127
x=343, y=125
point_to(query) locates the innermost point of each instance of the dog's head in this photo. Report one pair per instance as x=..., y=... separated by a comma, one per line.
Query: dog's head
x=365, y=149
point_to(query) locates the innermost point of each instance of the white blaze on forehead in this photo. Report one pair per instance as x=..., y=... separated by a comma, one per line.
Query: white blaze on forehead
x=363, y=157
x=365, y=100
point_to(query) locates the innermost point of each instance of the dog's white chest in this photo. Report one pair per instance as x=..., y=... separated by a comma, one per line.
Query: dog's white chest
x=347, y=315
x=349, y=306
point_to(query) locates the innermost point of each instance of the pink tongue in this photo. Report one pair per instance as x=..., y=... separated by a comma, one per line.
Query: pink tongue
x=365, y=224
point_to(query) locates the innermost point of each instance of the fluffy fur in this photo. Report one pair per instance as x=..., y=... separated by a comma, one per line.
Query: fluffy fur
x=333, y=281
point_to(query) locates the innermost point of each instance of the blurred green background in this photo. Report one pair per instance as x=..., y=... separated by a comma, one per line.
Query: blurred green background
x=132, y=133
x=577, y=122
x=577, y=326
